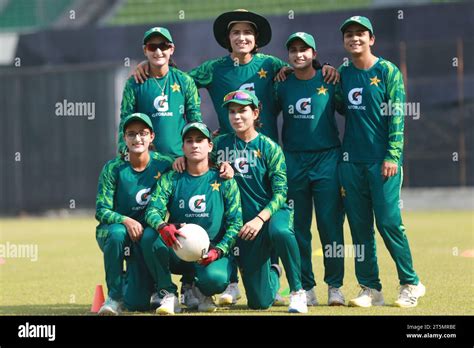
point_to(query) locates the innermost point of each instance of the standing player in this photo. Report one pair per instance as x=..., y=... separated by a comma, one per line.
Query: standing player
x=260, y=171
x=169, y=97
x=198, y=196
x=312, y=150
x=122, y=197
x=371, y=167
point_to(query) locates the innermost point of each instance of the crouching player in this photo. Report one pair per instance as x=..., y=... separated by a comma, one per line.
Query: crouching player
x=200, y=196
x=122, y=197
x=260, y=172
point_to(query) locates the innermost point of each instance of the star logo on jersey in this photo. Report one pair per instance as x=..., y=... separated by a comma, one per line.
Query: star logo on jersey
x=343, y=192
x=262, y=73
x=258, y=153
x=322, y=90
x=215, y=186
x=175, y=87
x=374, y=81
x=157, y=176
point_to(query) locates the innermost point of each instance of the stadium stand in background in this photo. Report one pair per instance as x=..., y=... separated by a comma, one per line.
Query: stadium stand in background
x=30, y=15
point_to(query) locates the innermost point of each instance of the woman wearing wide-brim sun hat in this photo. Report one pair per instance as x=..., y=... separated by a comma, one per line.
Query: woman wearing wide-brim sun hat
x=225, y=21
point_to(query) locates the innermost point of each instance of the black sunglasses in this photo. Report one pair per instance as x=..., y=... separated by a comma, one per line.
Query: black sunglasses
x=163, y=46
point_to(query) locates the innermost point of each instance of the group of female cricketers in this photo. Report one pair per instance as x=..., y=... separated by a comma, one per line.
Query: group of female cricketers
x=172, y=170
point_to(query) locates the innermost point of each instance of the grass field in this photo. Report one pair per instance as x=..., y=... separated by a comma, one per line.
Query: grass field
x=69, y=265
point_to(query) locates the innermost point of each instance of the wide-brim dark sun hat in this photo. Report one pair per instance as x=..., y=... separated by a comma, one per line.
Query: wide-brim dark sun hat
x=221, y=26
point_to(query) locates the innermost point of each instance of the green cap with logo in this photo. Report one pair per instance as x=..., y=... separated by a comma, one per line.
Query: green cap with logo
x=157, y=31
x=242, y=97
x=137, y=117
x=198, y=126
x=308, y=39
x=364, y=21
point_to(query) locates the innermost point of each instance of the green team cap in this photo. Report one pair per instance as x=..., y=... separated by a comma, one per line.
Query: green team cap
x=157, y=31
x=308, y=39
x=199, y=126
x=364, y=21
x=137, y=117
x=241, y=97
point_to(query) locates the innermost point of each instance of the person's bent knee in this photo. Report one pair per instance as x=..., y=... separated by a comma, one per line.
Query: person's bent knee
x=117, y=233
x=213, y=283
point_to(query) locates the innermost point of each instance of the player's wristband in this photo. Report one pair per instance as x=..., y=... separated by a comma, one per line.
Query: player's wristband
x=261, y=218
x=160, y=226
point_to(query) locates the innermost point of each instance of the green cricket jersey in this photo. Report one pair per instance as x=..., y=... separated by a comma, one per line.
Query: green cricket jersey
x=308, y=113
x=372, y=101
x=223, y=75
x=170, y=102
x=123, y=192
x=260, y=172
x=206, y=200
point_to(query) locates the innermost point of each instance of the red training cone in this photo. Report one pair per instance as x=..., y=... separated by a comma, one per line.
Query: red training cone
x=98, y=299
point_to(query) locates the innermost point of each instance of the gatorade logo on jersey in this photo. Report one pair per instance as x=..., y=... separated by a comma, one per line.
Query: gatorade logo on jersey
x=161, y=105
x=303, y=108
x=143, y=197
x=197, y=203
x=355, y=98
x=242, y=165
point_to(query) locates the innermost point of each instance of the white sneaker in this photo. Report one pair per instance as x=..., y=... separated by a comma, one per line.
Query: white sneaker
x=298, y=302
x=155, y=301
x=206, y=303
x=409, y=295
x=230, y=296
x=169, y=305
x=110, y=308
x=367, y=297
x=335, y=297
x=189, y=298
x=311, y=299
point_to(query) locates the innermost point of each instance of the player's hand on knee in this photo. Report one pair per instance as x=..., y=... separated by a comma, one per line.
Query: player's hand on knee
x=330, y=74
x=226, y=171
x=389, y=169
x=283, y=74
x=169, y=233
x=141, y=72
x=251, y=229
x=179, y=164
x=134, y=228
